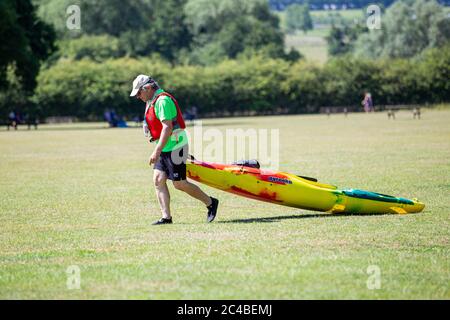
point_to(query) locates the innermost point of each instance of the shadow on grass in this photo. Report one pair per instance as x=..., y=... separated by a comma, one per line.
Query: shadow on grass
x=303, y=216
x=219, y=124
x=45, y=127
x=71, y=128
x=68, y=128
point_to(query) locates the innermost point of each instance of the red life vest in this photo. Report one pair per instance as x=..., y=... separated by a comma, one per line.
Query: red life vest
x=155, y=125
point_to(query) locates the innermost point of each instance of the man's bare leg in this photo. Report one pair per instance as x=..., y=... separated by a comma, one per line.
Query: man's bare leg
x=162, y=192
x=192, y=190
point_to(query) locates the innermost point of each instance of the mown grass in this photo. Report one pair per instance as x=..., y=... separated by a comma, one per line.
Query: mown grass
x=320, y=16
x=82, y=195
x=348, y=15
x=313, y=45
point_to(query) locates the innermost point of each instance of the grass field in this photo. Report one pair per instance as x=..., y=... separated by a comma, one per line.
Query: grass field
x=321, y=16
x=312, y=47
x=349, y=15
x=313, y=44
x=81, y=195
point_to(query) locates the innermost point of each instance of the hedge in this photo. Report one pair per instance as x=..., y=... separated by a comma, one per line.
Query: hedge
x=85, y=88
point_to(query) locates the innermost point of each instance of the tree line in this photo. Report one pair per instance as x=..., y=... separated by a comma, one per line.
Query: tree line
x=256, y=84
x=281, y=5
x=407, y=28
x=224, y=56
x=200, y=32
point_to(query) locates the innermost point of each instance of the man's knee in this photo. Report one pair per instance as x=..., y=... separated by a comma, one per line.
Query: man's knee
x=180, y=185
x=159, y=180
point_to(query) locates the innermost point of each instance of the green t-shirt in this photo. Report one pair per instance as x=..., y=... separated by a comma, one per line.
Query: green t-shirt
x=165, y=109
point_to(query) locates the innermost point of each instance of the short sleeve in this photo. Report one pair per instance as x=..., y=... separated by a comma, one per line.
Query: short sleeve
x=165, y=109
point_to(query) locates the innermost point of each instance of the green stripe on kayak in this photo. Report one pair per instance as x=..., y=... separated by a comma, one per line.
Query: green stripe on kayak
x=361, y=194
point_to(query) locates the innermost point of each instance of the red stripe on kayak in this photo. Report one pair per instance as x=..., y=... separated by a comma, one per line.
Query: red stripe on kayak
x=268, y=176
x=264, y=195
x=214, y=166
x=263, y=175
x=193, y=176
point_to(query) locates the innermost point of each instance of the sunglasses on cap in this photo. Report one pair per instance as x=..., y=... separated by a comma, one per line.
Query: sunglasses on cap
x=149, y=81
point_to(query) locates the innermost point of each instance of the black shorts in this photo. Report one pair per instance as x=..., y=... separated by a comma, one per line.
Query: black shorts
x=173, y=163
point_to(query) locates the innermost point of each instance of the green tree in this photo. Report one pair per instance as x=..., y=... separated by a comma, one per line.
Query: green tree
x=347, y=79
x=26, y=41
x=253, y=83
x=87, y=87
x=163, y=30
x=407, y=29
x=97, y=48
x=341, y=38
x=434, y=68
x=97, y=17
x=227, y=28
x=303, y=87
x=298, y=18
x=14, y=96
x=143, y=27
x=54, y=13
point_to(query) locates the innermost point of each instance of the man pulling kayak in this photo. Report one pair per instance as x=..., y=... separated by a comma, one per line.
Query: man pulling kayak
x=164, y=124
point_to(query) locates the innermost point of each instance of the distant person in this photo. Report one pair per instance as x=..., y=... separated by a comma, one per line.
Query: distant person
x=194, y=112
x=136, y=120
x=111, y=117
x=19, y=118
x=164, y=124
x=345, y=112
x=12, y=120
x=191, y=114
x=139, y=119
x=107, y=116
x=367, y=102
x=328, y=111
x=416, y=113
x=390, y=114
x=121, y=123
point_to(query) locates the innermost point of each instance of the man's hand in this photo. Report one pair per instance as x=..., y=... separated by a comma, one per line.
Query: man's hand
x=165, y=134
x=155, y=156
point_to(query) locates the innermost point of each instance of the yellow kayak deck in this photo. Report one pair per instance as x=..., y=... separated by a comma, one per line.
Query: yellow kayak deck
x=295, y=191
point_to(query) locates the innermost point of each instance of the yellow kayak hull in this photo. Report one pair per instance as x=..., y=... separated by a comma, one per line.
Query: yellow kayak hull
x=295, y=191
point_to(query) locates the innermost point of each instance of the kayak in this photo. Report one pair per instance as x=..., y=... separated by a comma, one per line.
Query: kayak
x=247, y=179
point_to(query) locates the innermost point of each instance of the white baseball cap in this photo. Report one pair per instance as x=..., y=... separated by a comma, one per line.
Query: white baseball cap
x=139, y=82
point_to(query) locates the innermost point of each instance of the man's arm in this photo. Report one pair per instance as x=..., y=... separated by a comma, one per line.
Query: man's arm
x=166, y=132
